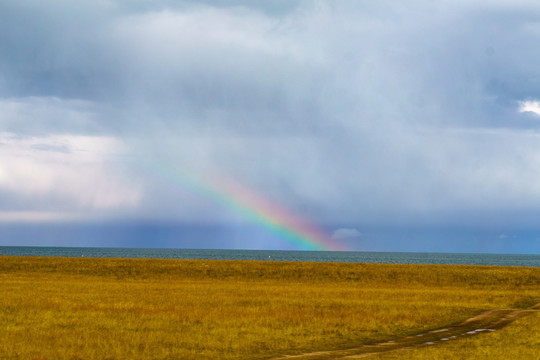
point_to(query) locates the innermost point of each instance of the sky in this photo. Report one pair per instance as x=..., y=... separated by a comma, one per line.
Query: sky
x=384, y=126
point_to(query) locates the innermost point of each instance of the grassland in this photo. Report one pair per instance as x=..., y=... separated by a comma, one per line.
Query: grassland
x=519, y=340
x=65, y=308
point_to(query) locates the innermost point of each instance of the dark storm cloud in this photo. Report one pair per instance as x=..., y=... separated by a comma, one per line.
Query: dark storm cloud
x=349, y=111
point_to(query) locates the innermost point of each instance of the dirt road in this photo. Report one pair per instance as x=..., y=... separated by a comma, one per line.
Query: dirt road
x=488, y=321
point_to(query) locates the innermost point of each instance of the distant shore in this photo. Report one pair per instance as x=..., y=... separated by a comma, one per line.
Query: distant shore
x=280, y=255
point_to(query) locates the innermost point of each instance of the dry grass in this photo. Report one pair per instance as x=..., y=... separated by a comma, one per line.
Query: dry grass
x=65, y=308
x=519, y=340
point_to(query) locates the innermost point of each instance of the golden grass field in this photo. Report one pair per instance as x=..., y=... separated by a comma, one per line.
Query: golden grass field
x=519, y=340
x=79, y=308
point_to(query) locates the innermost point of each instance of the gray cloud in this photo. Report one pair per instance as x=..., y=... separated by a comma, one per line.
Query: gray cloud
x=55, y=148
x=344, y=112
x=346, y=233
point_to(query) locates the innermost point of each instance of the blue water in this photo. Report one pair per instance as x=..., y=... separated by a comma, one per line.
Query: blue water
x=318, y=256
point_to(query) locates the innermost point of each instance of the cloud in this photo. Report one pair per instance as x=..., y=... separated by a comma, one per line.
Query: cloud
x=80, y=178
x=45, y=115
x=326, y=108
x=346, y=233
x=48, y=147
x=530, y=106
x=37, y=217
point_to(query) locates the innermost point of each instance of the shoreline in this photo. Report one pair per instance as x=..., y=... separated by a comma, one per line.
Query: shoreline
x=523, y=260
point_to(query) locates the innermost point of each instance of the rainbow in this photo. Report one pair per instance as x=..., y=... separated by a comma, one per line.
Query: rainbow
x=253, y=207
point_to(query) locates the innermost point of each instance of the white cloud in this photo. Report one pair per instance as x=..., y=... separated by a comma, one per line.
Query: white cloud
x=346, y=233
x=530, y=106
x=36, y=216
x=84, y=176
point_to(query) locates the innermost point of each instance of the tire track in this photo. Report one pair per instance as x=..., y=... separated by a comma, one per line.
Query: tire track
x=486, y=322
